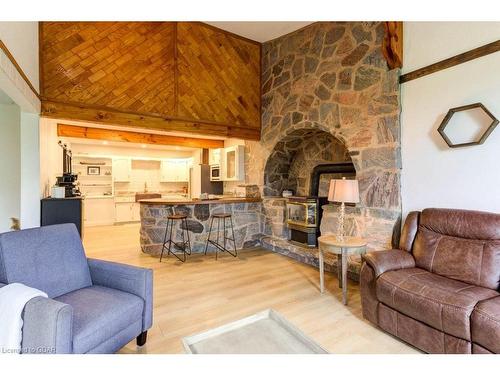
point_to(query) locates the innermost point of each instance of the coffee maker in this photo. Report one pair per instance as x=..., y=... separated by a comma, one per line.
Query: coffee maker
x=68, y=179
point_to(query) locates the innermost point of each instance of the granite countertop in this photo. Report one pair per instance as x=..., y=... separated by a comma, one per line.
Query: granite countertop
x=163, y=201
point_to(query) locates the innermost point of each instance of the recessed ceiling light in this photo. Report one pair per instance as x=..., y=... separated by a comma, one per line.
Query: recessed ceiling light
x=144, y=146
x=104, y=142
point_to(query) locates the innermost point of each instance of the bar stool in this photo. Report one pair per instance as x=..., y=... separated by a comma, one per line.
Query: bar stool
x=184, y=246
x=217, y=244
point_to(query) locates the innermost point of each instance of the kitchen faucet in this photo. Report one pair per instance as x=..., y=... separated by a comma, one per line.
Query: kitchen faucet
x=145, y=187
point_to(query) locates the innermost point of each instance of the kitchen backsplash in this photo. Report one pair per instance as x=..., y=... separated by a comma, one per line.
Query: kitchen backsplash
x=146, y=175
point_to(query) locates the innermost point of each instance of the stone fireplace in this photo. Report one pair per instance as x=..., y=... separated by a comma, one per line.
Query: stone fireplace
x=328, y=96
x=293, y=158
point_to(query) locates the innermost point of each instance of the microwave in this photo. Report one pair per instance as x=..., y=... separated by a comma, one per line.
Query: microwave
x=215, y=173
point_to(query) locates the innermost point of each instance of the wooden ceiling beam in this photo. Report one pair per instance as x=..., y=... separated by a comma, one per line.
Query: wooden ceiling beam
x=100, y=134
x=452, y=61
x=81, y=112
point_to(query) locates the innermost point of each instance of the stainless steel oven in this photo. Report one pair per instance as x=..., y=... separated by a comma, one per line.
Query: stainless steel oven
x=215, y=173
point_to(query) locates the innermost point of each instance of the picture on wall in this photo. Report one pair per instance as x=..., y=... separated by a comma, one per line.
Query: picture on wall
x=93, y=171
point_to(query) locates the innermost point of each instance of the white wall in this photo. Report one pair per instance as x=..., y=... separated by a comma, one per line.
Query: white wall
x=21, y=38
x=50, y=156
x=19, y=152
x=433, y=174
x=10, y=165
x=114, y=150
x=30, y=170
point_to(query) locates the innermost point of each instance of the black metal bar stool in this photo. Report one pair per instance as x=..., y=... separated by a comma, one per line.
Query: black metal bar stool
x=216, y=243
x=184, y=246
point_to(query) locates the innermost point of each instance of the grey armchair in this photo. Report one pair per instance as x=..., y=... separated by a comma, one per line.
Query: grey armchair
x=94, y=306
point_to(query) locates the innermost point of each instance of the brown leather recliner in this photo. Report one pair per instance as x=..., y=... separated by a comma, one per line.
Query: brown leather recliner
x=440, y=290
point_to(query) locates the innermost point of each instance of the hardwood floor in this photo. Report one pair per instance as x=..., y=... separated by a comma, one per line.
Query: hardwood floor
x=203, y=293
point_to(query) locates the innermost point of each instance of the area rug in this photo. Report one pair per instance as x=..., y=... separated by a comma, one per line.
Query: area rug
x=266, y=332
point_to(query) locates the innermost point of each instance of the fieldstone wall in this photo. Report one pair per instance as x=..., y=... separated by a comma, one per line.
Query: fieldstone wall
x=331, y=77
x=248, y=221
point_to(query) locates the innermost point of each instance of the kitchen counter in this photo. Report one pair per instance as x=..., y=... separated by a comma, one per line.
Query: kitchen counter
x=247, y=216
x=227, y=200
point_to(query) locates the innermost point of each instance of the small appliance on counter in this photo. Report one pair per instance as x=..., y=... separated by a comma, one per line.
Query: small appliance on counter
x=58, y=192
x=68, y=180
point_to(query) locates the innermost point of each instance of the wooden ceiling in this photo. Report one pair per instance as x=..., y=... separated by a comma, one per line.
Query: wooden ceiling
x=184, y=76
x=173, y=76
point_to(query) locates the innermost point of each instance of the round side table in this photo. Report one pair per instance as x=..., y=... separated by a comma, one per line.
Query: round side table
x=343, y=248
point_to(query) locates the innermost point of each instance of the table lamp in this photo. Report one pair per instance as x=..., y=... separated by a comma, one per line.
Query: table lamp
x=343, y=191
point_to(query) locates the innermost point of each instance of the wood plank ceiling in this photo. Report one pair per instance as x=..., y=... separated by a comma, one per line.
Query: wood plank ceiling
x=184, y=76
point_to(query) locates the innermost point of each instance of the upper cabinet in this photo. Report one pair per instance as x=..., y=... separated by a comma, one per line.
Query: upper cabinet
x=184, y=76
x=174, y=170
x=214, y=156
x=233, y=163
x=122, y=170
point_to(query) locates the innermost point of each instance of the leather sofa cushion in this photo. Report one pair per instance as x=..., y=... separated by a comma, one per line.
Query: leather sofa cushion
x=474, y=225
x=461, y=245
x=100, y=314
x=442, y=303
x=409, y=231
x=478, y=349
x=486, y=324
x=419, y=334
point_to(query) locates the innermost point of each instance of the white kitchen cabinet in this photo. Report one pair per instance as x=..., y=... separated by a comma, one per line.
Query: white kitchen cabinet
x=136, y=211
x=232, y=166
x=123, y=212
x=174, y=171
x=98, y=211
x=182, y=171
x=121, y=170
x=214, y=155
x=127, y=212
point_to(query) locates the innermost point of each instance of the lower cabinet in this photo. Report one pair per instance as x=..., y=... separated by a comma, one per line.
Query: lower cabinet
x=98, y=211
x=127, y=212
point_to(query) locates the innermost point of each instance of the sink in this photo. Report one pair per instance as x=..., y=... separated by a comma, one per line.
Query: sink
x=140, y=196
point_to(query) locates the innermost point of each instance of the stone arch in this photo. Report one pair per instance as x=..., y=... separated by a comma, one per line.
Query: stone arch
x=299, y=150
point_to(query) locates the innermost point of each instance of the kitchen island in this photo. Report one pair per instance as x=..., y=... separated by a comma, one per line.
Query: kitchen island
x=247, y=215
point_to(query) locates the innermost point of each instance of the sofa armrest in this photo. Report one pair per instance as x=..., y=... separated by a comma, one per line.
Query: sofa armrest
x=389, y=260
x=47, y=327
x=131, y=279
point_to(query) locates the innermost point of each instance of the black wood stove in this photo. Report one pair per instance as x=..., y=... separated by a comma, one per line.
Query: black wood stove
x=304, y=213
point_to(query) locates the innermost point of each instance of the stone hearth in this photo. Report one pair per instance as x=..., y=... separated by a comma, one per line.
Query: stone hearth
x=310, y=255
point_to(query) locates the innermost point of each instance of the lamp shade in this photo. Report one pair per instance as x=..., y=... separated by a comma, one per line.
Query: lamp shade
x=346, y=191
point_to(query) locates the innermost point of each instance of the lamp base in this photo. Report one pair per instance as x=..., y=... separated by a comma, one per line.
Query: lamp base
x=341, y=228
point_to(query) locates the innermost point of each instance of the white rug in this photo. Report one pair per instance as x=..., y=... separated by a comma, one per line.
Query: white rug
x=266, y=332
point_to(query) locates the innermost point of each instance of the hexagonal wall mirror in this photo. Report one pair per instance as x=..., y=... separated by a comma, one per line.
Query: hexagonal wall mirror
x=468, y=125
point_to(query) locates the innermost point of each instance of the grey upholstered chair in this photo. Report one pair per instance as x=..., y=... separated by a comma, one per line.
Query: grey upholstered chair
x=94, y=306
